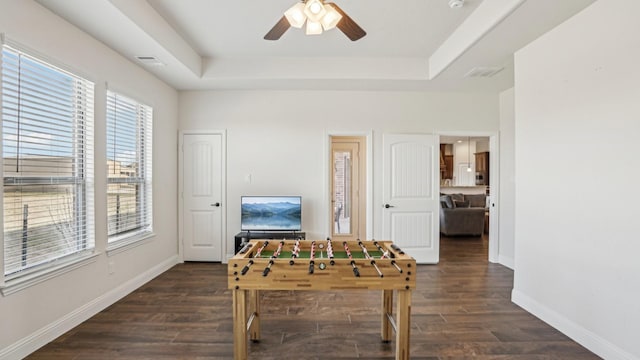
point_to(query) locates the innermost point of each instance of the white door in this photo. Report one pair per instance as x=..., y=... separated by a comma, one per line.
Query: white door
x=410, y=195
x=202, y=184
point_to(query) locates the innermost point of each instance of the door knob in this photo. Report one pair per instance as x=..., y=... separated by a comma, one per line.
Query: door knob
x=386, y=206
x=216, y=204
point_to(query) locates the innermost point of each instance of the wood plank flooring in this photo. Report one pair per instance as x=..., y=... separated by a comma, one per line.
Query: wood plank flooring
x=461, y=310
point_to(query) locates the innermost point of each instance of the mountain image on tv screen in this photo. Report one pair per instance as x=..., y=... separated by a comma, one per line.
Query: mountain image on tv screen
x=271, y=213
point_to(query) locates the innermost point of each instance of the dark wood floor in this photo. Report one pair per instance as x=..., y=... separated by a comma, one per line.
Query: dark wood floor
x=460, y=310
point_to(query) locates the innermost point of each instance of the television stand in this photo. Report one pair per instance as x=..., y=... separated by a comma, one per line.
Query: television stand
x=243, y=237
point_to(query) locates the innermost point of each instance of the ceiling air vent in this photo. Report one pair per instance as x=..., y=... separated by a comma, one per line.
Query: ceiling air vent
x=483, y=72
x=150, y=60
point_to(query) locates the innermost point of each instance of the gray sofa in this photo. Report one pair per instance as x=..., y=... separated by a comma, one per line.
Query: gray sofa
x=462, y=214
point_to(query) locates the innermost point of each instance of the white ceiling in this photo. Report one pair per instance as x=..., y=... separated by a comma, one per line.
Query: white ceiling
x=410, y=44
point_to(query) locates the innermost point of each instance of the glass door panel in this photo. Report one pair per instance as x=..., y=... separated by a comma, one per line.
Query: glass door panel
x=347, y=182
x=342, y=174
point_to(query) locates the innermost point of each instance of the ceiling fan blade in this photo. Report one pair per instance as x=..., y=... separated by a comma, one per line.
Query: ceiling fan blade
x=278, y=29
x=348, y=26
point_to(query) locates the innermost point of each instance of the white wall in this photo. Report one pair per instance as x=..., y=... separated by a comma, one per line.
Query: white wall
x=482, y=146
x=577, y=116
x=507, y=179
x=279, y=137
x=36, y=315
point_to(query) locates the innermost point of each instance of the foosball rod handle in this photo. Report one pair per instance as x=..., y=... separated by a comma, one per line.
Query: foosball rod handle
x=311, y=267
x=394, y=247
x=245, y=248
x=246, y=267
x=266, y=271
x=356, y=272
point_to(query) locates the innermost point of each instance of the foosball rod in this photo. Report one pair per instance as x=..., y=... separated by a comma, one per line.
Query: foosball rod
x=273, y=257
x=312, y=256
x=368, y=257
x=386, y=254
x=257, y=255
x=393, y=262
x=356, y=272
x=330, y=252
x=295, y=252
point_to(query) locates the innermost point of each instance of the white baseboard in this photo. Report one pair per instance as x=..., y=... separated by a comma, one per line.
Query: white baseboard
x=48, y=333
x=579, y=334
x=506, y=261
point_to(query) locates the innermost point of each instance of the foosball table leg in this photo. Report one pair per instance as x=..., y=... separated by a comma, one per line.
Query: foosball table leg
x=240, y=351
x=403, y=324
x=387, y=310
x=254, y=315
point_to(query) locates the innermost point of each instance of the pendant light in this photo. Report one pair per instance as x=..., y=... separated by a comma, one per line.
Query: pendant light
x=469, y=154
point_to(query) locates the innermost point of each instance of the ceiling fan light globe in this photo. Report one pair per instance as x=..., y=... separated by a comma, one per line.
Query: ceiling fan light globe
x=313, y=28
x=315, y=10
x=296, y=16
x=331, y=18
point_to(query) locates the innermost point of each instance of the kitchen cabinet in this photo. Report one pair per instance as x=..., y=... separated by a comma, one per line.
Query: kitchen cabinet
x=482, y=168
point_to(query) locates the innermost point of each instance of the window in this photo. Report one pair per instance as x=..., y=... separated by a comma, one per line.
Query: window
x=129, y=130
x=47, y=150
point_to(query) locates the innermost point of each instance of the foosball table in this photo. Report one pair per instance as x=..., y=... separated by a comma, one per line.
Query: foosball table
x=321, y=265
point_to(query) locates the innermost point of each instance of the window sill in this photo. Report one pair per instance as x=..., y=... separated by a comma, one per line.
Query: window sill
x=22, y=282
x=128, y=243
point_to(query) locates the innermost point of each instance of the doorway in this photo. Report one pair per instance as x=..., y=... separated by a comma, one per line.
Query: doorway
x=347, y=187
x=469, y=165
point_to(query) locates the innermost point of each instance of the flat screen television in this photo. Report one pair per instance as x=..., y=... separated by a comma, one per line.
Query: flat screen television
x=271, y=213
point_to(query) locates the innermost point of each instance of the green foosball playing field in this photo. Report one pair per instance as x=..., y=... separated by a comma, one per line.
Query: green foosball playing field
x=336, y=255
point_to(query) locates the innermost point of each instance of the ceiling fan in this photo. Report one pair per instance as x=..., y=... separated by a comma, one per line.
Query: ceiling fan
x=318, y=16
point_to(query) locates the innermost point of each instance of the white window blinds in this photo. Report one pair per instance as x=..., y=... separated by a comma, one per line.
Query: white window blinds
x=47, y=150
x=129, y=137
